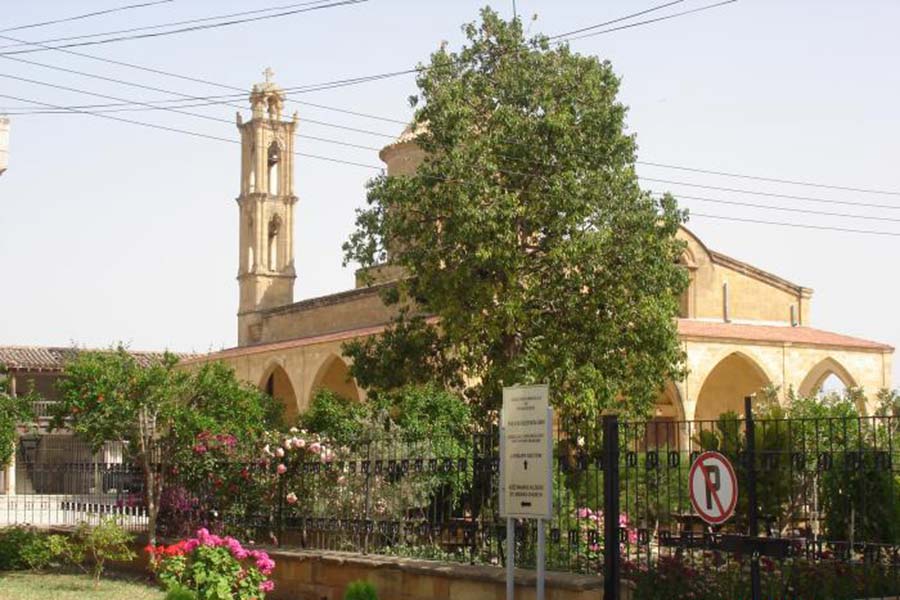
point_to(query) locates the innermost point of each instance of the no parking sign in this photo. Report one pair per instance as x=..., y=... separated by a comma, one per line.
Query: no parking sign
x=714, y=488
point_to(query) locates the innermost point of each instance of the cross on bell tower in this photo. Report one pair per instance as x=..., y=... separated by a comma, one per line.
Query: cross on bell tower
x=266, y=272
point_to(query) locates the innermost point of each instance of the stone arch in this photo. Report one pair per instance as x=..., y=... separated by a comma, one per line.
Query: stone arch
x=820, y=372
x=734, y=377
x=334, y=374
x=277, y=384
x=666, y=427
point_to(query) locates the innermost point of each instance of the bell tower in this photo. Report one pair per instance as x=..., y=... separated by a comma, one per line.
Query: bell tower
x=266, y=260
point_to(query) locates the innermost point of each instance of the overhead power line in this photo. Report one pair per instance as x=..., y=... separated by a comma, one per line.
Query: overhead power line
x=96, y=13
x=771, y=179
x=797, y=225
x=172, y=110
x=192, y=28
x=340, y=161
x=786, y=208
x=353, y=81
x=170, y=24
x=772, y=194
x=181, y=131
x=649, y=21
x=614, y=21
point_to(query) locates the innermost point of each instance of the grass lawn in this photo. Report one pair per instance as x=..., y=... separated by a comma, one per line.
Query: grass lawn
x=23, y=585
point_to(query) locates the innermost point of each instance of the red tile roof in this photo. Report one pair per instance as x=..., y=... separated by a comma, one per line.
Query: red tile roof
x=48, y=358
x=802, y=336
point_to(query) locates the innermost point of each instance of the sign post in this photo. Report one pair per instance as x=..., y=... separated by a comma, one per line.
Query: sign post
x=526, y=473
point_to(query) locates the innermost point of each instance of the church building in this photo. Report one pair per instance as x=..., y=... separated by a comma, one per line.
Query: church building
x=742, y=329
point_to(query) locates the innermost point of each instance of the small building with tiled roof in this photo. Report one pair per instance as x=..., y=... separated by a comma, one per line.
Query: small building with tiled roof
x=742, y=328
x=39, y=451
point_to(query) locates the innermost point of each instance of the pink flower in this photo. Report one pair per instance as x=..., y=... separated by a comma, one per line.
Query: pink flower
x=281, y=469
x=288, y=443
x=279, y=452
x=583, y=513
x=315, y=447
x=267, y=586
x=327, y=456
x=299, y=443
x=291, y=498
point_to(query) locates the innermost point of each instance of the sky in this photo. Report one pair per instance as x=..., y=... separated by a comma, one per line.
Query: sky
x=114, y=232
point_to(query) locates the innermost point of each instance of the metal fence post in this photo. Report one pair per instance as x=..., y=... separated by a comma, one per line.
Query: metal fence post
x=752, y=507
x=611, y=573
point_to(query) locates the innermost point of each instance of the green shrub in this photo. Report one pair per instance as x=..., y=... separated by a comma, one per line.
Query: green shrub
x=25, y=548
x=179, y=592
x=92, y=547
x=360, y=590
x=333, y=415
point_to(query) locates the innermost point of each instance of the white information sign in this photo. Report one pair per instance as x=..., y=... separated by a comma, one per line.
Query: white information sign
x=527, y=453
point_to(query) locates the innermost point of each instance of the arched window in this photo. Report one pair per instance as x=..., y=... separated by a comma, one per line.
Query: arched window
x=274, y=230
x=274, y=161
x=826, y=377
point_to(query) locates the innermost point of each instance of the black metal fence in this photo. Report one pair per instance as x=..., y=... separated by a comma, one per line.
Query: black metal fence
x=825, y=522
x=58, y=481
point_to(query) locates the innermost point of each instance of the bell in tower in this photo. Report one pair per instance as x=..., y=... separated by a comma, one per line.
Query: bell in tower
x=266, y=260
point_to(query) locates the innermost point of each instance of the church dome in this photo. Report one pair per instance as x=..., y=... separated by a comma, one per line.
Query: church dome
x=403, y=155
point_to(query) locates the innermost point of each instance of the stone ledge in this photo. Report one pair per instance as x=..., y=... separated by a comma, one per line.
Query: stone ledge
x=482, y=573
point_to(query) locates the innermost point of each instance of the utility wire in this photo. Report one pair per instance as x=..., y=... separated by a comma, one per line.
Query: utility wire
x=191, y=28
x=798, y=225
x=772, y=194
x=614, y=21
x=784, y=208
x=771, y=179
x=330, y=159
x=182, y=131
x=86, y=15
x=649, y=21
x=170, y=109
x=353, y=81
x=170, y=24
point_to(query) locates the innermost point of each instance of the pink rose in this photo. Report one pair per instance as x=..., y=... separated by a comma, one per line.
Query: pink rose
x=281, y=469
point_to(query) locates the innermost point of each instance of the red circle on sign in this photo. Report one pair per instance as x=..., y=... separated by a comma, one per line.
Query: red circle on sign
x=727, y=512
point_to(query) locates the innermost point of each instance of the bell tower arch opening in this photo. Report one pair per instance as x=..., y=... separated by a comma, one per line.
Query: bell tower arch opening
x=266, y=272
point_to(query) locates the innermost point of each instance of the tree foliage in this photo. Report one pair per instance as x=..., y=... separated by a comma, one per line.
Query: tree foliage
x=525, y=231
x=159, y=410
x=15, y=412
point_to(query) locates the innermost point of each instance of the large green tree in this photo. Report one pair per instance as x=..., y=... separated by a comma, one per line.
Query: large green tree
x=158, y=409
x=525, y=231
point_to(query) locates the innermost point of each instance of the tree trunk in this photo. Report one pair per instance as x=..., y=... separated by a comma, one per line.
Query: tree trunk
x=152, y=501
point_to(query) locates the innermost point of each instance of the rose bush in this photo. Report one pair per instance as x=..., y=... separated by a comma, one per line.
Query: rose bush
x=214, y=567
